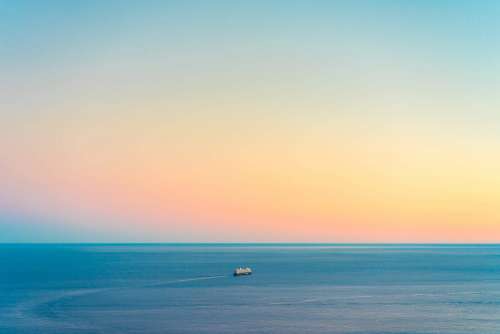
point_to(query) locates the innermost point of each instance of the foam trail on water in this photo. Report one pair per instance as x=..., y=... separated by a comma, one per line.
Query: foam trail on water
x=183, y=280
x=29, y=311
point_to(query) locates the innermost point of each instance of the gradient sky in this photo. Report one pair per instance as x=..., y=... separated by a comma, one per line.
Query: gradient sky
x=331, y=121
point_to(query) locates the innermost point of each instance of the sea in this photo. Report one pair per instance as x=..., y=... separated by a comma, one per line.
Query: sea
x=295, y=288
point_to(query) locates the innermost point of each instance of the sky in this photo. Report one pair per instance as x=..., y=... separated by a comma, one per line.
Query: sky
x=249, y=121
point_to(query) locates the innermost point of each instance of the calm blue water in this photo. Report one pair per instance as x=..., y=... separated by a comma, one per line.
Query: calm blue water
x=50, y=289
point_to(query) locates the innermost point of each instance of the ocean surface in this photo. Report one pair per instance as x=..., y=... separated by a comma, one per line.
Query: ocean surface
x=189, y=288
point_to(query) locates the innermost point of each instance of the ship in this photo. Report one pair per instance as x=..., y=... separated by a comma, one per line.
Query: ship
x=242, y=271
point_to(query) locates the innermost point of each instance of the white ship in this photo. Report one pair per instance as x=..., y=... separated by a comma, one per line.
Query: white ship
x=242, y=271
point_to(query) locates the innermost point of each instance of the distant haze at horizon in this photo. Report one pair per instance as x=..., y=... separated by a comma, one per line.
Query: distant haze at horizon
x=268, y=121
